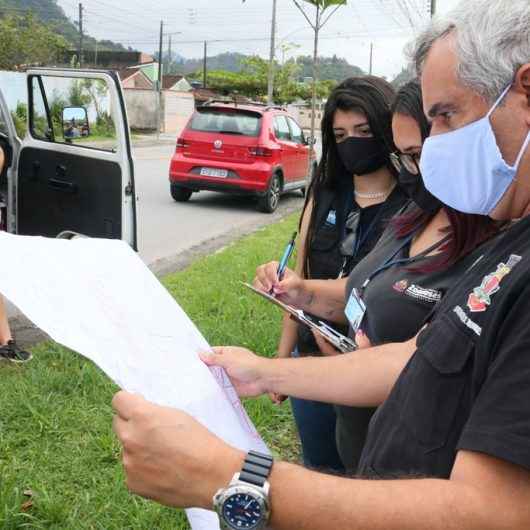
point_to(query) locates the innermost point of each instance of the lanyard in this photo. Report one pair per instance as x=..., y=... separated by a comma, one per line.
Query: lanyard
x=360, y=239
x=391, y=261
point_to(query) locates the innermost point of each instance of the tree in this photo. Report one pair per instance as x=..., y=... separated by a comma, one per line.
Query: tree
x=321, y=7
x=25, y=41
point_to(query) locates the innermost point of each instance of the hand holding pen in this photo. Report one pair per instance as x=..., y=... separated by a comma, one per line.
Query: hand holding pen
x=287, y=253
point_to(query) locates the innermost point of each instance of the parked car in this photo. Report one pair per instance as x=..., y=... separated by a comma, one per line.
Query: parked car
x=248, y=149
x=55, y=187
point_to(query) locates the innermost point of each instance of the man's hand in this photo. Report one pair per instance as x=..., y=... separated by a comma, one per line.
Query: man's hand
x=290, y=290
x=170, y=457
x=245, y=369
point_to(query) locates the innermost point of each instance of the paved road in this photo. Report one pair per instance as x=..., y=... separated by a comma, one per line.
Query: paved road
x=168, y=228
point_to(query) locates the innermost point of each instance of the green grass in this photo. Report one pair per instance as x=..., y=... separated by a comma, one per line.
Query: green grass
x=56, y=441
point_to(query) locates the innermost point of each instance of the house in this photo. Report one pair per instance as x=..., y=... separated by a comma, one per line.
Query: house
x=135, y=78
x=301, y=110
x=176, y=82
x=202, y=95
x=150, y=69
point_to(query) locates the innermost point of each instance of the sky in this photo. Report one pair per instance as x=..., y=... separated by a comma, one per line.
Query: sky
x=231, y=26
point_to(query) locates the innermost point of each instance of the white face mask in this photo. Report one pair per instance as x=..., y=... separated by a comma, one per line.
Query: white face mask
x=465, y=168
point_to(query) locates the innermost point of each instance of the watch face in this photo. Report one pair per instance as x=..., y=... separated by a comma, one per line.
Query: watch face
x=242, y=511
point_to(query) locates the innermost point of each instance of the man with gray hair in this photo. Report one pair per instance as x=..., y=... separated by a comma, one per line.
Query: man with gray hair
x=454, y=418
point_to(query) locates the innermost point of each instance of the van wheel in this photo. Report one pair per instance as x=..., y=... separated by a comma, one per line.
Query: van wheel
x=180, y=194
x=269, y=202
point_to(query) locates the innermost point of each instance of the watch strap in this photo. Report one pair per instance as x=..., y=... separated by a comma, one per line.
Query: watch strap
x=256, y=468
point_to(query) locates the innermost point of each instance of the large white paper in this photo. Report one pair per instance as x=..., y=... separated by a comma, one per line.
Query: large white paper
x=97, y=298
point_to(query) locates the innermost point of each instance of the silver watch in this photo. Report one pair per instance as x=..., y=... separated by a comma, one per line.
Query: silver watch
x=244, y=504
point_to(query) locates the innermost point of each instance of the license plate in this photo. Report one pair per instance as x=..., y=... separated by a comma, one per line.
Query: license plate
x=210, y=172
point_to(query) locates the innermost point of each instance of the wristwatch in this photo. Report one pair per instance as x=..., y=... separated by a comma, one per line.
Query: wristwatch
x=245, y=502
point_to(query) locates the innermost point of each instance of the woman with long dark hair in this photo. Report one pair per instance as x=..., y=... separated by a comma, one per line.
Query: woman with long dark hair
x=392, y=291
x=352, y=196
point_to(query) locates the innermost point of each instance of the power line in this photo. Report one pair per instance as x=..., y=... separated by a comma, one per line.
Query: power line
x=360, y=35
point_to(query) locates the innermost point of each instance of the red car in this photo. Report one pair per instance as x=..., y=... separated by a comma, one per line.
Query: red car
x=241, y=149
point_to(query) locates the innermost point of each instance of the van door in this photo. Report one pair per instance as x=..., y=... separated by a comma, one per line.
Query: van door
x=10, y=145
x=75, y=168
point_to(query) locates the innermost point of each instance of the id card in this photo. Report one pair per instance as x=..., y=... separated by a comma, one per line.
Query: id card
x=355, y=310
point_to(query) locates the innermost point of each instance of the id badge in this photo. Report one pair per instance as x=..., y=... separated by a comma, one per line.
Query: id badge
x=355, y=310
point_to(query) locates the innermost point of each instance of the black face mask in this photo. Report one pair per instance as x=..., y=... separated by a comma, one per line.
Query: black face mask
x=413, y=186
x=361, y=156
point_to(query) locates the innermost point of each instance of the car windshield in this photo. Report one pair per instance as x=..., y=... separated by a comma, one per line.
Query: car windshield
x=223, y=121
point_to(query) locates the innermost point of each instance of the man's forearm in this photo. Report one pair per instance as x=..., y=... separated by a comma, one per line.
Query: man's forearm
x=305, y=500
x=363, y=378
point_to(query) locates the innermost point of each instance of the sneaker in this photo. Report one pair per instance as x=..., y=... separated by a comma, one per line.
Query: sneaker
x=11, y=352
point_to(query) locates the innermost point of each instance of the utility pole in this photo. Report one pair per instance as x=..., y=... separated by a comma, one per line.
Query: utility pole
x=371, y=58
x=433, y=8
x=169, y=59
x=80, y=59
x=204, y=65
x=270, y=83
x=96, y=55
x=159, y=82
x=315, y=74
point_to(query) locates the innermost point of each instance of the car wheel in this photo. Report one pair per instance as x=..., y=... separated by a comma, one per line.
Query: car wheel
x=303, y=191
x=180, y=194
x=269, y=202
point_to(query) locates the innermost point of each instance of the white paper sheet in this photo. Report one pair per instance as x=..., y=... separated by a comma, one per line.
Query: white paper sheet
x=97, y=298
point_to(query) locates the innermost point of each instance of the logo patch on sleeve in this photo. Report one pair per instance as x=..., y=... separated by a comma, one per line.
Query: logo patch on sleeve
x=419, y=293
x=480, y=299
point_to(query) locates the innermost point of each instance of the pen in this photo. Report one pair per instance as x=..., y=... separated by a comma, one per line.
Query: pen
x=286, y=255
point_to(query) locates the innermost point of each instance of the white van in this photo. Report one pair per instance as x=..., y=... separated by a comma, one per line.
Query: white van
x=70, y=168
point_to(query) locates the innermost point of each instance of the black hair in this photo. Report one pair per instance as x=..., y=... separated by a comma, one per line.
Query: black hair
x=373, y=96
x=409, y=103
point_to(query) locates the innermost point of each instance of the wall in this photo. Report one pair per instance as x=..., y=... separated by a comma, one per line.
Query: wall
x=141, y=108
x=177, y=107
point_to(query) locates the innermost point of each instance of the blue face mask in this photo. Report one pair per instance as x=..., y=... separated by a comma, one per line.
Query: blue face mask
x=465, y=168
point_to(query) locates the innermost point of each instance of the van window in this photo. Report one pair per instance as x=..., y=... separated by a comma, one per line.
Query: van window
x=73, y=111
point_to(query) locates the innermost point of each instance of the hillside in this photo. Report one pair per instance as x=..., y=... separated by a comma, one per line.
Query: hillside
x=331, y=68
x=53, y=15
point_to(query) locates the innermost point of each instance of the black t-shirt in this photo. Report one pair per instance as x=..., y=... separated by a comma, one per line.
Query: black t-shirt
x=326, y=258
x=398, y=300
x=468, y=384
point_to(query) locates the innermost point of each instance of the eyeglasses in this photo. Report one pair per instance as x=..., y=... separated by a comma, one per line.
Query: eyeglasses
x=409, y=162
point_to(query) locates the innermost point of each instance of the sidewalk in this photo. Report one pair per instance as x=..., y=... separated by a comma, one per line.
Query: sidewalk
x=150, y=140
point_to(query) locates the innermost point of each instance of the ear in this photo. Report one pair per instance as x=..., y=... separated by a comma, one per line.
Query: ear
x=522, y=84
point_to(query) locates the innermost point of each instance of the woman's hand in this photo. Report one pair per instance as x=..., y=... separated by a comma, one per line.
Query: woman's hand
x=362, y=340
x=324, y=346
x=290, y=290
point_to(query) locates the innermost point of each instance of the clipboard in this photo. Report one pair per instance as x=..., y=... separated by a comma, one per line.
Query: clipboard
x=338, y=340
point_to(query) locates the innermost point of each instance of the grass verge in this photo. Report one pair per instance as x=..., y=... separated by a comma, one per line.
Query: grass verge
x=59, y=461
